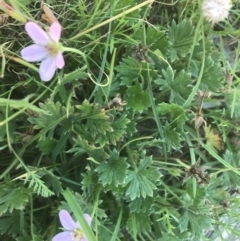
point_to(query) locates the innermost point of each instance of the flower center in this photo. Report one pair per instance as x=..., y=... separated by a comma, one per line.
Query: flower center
x=77, y=234
x=52, y=49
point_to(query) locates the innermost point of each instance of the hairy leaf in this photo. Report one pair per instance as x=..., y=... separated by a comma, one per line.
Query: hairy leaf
x=141, y=204
x=196, y=217
x=13, y=223
x=181, y=37
x=54, y=114
x=213, y=76
x=178, y=85
x=74, y=76
x=13, y=198
x=113, y=170
x=47, y=145
x=141, y=182
x=232, y=99
x=119, y=125
x=50, y=180
x=230, y=178
x=171, y=137
x=123, y=5
x=138, y=99
x=176, y=112
x=139, y=222
x=38, y=185
x=92, y=121
x=128, y=71
x=175, y=237
x=154, y=37
x=82, y=146
x=19, y=104
x=213, y=138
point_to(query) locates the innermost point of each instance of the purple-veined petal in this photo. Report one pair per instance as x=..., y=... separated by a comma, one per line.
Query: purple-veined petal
x=60, y=60
x=67, y=221
x=46, y=71
x=55, y=31
x=34, y=53
x=37, y=34
x=63, y=236
x=88, y=218
x=84, y=238
x=78, y=225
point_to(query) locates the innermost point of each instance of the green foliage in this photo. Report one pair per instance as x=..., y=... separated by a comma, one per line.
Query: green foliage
x=213, y=76
x=119, y=124
x=138, y=99
x=232, y=98
x=54, y=114
x=175, y=237
x=154, y=37
x=181, y=38
x=86, y=207
x=46, y=146
x=139, y=223
x=73, y=76
x=98, y=125
x=113, y=171
x=82, y=146
x=231, y=178
x=50, y=180
x=172, y=137
x=38, y=186
x=198, y=219
x=177, y=84
x=141, y=182
x=13, y=198
x=13, y=223
x=128, y=71
x=11, y=125
x=115, y=126
x=141, y=204
x=18, y=104
x=71, y=79
x=24, y=2
x=124, y=5
x=176, y=112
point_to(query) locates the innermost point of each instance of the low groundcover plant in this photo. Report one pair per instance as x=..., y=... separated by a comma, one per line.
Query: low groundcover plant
x=133, y=120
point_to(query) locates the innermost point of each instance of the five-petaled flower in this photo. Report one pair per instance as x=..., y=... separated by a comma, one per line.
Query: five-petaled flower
x=73, y=230
x=46, y=48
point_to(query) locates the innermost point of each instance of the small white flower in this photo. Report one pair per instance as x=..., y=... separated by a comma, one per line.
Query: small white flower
x=216, y=10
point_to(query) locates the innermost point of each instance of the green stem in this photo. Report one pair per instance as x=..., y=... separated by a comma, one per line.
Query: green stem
x=67, y=49
x=195, y=88
x=103, y=61
x=112, y=19
x=130, y=158
x=15, y=161
x=79, y=214
x=159, y=125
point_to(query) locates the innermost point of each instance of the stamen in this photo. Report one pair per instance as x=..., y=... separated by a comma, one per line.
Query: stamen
x=52, y=49
x=77, y=234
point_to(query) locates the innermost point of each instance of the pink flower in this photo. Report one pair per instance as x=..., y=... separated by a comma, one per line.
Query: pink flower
x=46, y=48
x=73, y=229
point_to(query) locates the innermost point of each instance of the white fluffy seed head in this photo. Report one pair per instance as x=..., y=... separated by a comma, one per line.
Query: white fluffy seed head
x=216, y=10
